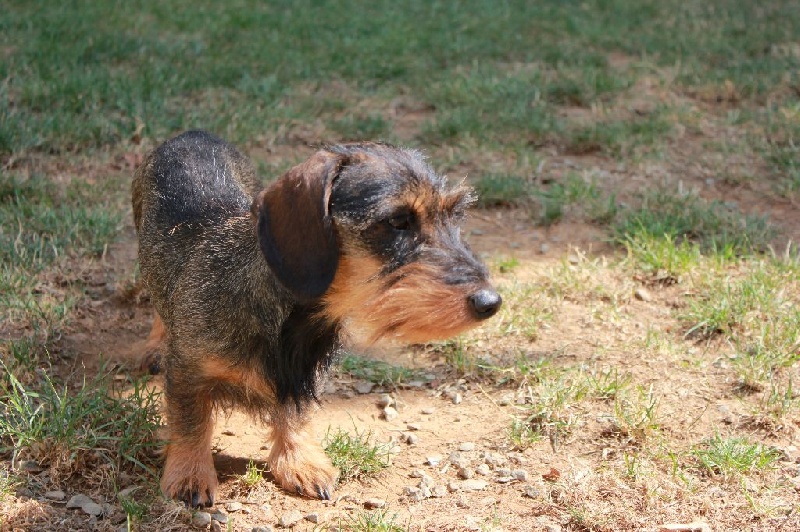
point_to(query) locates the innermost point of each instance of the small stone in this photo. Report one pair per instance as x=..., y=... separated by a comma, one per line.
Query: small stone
x=313, y=517
x=473, y=485
x=56, y=495
x=425, y=492
x=504, y=480
x=457, y=399
x=494, y=460
x=289, y=519
x=411, y=438
x=418, y=473
x=439, y=491
x=220, y=517
x=414, y=493
x=573, y=259
x=453, y=486
x=466, y=473
x=233, y=506
x=503, y=472
x=532, y=492
x=127, y=492
x=215, y=526
x=544, y=248
x=433, y=460
x=687, y=527
x=261, y=529
x=385, y=400
x=201, y=519
x=413, y=426
x=390, y=413
x=371, y=504
x=77, y=501
x=92, y=508
x=364, y=387
x=30, y=466
x=466, y=446
x=426, y=481
x=642, y=295
x=228, y=432
x=483, y=469
x=428, y=410
x=520, y=474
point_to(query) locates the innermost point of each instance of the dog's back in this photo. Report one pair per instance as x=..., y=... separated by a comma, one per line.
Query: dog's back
x=192, y=178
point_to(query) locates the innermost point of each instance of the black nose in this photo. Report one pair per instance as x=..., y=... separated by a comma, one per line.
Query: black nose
x=485, y=303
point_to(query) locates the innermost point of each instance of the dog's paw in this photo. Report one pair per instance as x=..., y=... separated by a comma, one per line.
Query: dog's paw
x=304, y=469
x=188, y=480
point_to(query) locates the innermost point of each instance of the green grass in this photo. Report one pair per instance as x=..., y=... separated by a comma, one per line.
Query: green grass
x=375, y=521
x=375, y=371
x=733, y=455
x=69, y=429
x=678, y=216
x=85, y=74
x=355, y=455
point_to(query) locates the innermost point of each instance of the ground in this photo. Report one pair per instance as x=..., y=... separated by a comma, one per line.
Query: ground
x=638, y=171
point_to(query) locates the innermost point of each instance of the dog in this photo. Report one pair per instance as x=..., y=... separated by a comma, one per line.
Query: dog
x=255, y=290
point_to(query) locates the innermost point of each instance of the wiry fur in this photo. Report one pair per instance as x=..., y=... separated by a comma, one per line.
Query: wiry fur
x=254, y=288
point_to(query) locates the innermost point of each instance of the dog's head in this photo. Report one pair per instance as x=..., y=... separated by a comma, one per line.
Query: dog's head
x=373, y=233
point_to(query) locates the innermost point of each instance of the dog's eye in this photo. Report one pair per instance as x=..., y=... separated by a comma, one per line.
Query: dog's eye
x=401, y=222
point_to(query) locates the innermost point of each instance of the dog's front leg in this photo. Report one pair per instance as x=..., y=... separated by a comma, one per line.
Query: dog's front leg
x=296, y=460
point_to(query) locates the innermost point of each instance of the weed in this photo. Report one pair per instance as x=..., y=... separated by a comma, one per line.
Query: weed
x=375, y=521
x=552, y=408
x=375, y=371
x=661, y=256
x=506, y=264
x=356, y=455
x=253, y=475
x=731, y=455
x=714, y=226
x=635, y=416
x=134, y=511
x=607, y=385
x=72, y=429
x=497, y=190
x=522, y=434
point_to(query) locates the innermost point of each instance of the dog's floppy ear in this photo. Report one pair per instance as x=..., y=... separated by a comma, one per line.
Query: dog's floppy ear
x=294, y=227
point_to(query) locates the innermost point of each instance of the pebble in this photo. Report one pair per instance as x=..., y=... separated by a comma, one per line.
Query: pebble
x=77, y=501
x=228, y=432
x=532, y=492
x=506, y=400
x=220, y=517
x=413, y=426
x=364, y=387
x=289, y=519
x=413, y=493
x=411, y=438
x=418, y=473
x=466, y=473
x=503, y=472
x=466, y=446
x=56, y=495
x=127, y=492
x=544, y=248
x=428, y=410
x=520, y=474
x=385, y=400
x=473, y=485
x=457, y=399
x=425, y=491
x=215, y=526
x=30, y=466
x=313, y=517
x=483, y=469
x=261, y=529
x=92, y=508
x=439, y=491
x=687, y=527
x=233, y=506
x=433, y=460
x=642, y=295
x=504, y=480
x=201, y=519
x=390, y=413
x=371, y=504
